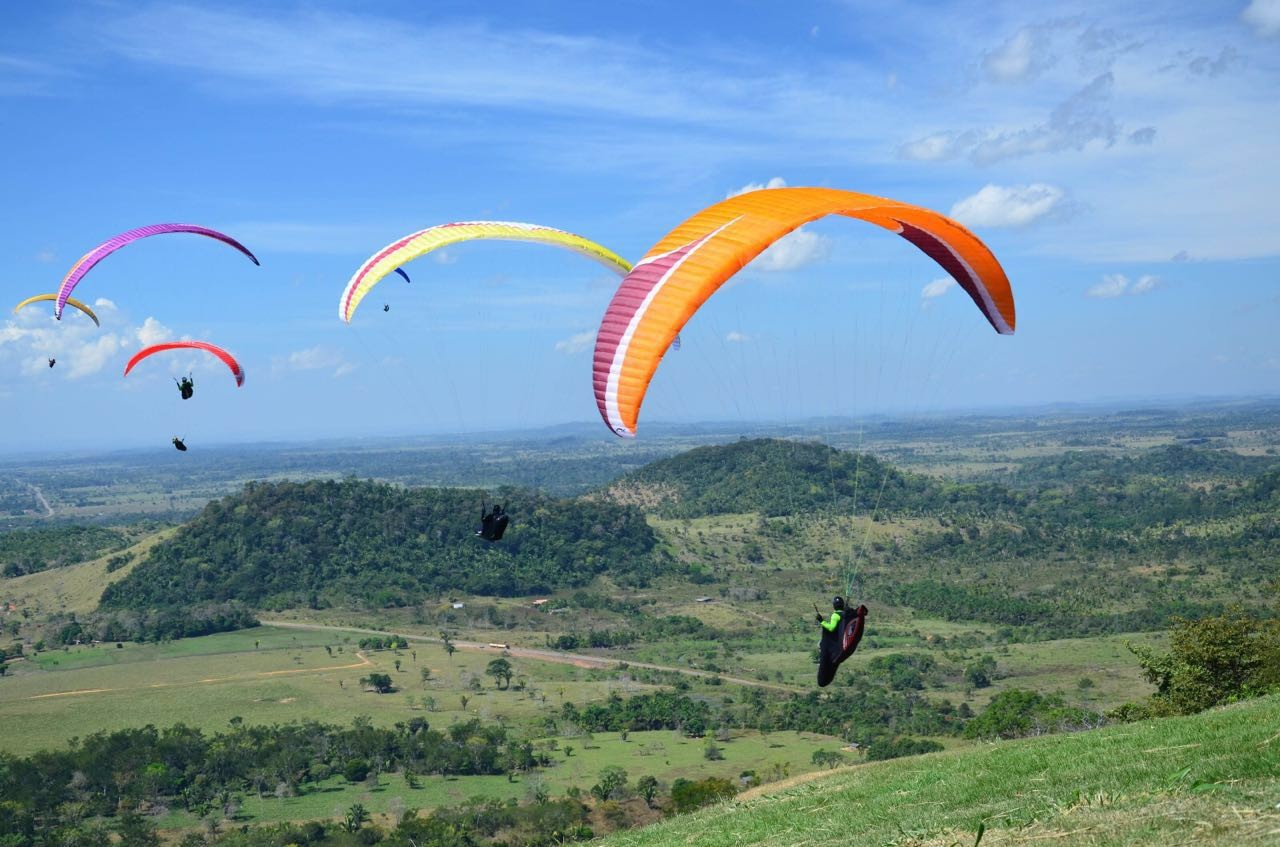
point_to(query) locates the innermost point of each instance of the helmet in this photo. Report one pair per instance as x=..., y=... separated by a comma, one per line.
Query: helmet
x=838, y=604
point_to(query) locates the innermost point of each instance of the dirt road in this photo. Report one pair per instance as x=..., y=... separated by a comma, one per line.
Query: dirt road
x=576, y=659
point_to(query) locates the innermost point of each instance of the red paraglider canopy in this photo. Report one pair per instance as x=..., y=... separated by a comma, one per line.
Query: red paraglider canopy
x=226, y=357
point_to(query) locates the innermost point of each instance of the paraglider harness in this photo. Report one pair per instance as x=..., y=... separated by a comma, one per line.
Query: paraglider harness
x=53, y=362
x=186, y=387
x=180, y=444
x=493, y=524
x=840, y=637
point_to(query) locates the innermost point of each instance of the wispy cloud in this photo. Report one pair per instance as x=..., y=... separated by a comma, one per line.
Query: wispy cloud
x=792, y=251
x=315, y=358
x=937, y=288
x=1118, y=285
x=1008, y=206
x=774, y=182
x=735, y=337
x=1022, y=57
x=21, y=77
x=1263, y=16
x=1112, y=285
x=324, y=56
x=577, y=343
x=1082, y=119
x=303, y=237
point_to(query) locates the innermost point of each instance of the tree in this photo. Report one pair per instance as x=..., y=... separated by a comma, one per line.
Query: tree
x=356, y=817
x=648, y=788
x=1212, y=661
x=612, y=780
x=978, y=675
x=425, y=673
x=397, y=664
x=356, y=770
x=449, y=649
x=379, y=682
x=136, y=830
x=826, y=758
x=687, y=795
x=500, y=670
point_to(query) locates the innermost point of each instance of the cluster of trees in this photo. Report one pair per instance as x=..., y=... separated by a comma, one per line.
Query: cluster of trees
x=24, y=551
x=149, y=768
x=1016, y=713
x=639, y=628
x=1037, y=617
x=161, y=624
x=660, y=710
x=879, y=719
x=480, y=823
x=353, y=542
x=384, y=642
x=769, y=476
x=1211, y=661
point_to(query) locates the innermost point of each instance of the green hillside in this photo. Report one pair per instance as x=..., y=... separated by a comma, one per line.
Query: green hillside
x=356, y=543
x=1210, y=779
x=776, y=477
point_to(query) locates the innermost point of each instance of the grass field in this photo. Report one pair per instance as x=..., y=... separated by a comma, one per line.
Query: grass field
x=1211, y=779
x=268, y=675
x=664, y=755
x=76, y=588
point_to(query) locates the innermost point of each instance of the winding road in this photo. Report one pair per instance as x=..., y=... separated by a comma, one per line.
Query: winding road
x=39, y=495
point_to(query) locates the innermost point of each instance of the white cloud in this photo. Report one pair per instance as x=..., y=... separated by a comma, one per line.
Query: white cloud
x=1112, y=285
x=153, y=332
x=1012, y=205
x=443, y=257
x=735, y=337
x=314, y=359
x=1020, y=58
x=1117, y=285
x=81, y=349
x=1263, y=16
x=775, y=182
x=933, y=148
x=794, y=250
x=46, y=256
x=577, y=343
x=1146, y=284
x=937, y=288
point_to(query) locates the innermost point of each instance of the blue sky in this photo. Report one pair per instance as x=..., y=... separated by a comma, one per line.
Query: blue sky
x=1120, y=162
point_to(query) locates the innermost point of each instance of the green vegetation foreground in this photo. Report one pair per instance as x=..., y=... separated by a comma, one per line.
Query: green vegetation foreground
x=1209, y=779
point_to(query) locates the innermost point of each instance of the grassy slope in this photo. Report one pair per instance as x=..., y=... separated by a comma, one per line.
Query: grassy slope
x=1210, y=779
x=76, y=588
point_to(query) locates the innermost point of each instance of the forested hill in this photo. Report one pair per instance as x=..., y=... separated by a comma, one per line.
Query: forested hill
x=34, y=550
x=348, y=543
x=777, y=477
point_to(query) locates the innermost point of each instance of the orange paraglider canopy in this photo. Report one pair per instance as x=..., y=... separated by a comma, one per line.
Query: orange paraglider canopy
x=681, y=271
